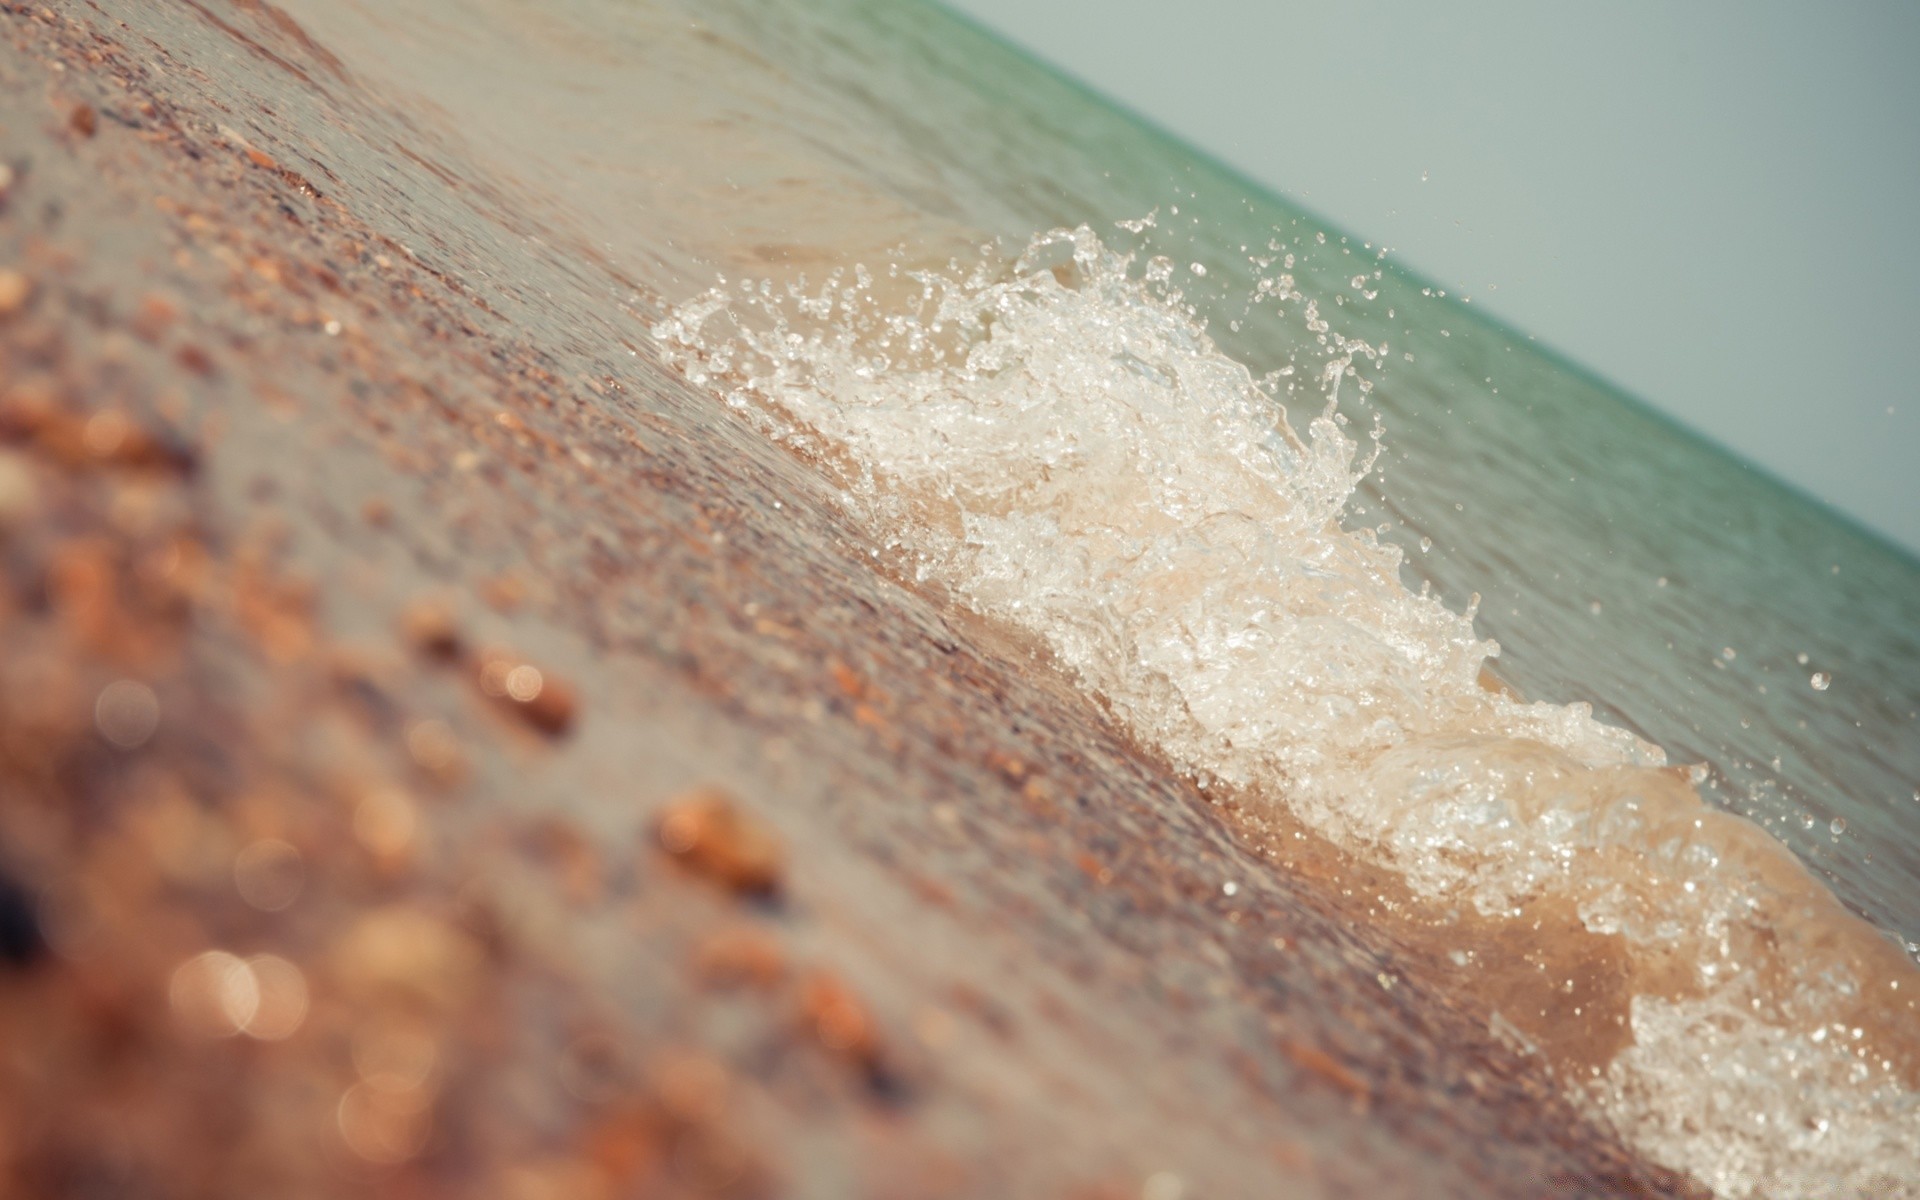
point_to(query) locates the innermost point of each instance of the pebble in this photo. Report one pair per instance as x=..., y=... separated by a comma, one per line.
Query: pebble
x=406, y=952
x=1318, y=1063
x=15, y=290
x=155, y=315
x=533, y=695
x=837, y=1018
x=19, y=493
x=741, y=957
x=710, y=835
x=21, y=943
x=430, y=628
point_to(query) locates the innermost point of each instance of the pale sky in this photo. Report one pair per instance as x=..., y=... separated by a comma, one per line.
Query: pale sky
x=1712, y=204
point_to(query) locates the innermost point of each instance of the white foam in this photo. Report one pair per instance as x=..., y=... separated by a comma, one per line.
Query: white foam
x=1058, y=443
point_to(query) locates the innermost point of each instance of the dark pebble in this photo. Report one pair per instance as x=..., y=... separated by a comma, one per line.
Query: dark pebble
x=20, y=942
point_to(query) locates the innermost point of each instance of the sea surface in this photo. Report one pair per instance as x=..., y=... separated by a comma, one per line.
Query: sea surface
x=1632, y=730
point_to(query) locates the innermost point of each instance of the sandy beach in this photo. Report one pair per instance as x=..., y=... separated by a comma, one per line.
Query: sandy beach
x=444, y=754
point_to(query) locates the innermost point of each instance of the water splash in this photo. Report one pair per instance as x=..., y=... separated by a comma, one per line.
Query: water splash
x=1055, y=439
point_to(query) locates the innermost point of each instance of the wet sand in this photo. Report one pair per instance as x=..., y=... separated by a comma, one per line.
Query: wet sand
x=442, y=754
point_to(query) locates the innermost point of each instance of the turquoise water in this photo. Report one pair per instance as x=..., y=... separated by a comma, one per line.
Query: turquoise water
x=1570, y=493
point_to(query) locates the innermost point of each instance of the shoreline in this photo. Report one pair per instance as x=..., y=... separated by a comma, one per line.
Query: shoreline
x=303, y=488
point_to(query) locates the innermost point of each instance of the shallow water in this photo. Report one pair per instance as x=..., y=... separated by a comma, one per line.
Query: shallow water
x=1100, y=465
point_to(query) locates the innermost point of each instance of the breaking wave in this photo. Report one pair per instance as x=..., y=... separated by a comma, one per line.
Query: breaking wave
x=1055, y=440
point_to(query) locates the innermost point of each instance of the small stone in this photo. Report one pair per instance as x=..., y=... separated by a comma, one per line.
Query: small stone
x=83, y=120
x=404, y=952
x=691, y=1087
x=533, y=695
x=155, y=315
x=626, y=1144
x=1323, y=1066
x=15, y=290
x=437, y=750
x=430, y=628
x=505, y=593
x=384, y=1126
x=19, y=493
x=195, y=359
x=552, y=711
x=21, y=942
x=837, y=1018
x=707, y=833
x=387, y=822
x=556, y=1180
x=741, y=957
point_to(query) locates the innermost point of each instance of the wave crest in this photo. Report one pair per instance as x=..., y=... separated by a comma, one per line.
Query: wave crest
x=1056, y=441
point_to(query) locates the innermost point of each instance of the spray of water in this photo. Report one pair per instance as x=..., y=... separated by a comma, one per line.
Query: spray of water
x=1054, y=439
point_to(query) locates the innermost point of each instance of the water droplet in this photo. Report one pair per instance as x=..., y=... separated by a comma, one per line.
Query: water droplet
x=1426, y=544
x=1727, y=653
x=1198, y=269
x=1821, y=681
x=1837, y=826
x=1230, y=888
x=1801, y=658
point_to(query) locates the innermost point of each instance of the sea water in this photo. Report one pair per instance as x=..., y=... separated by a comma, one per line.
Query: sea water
x=1632, y=727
